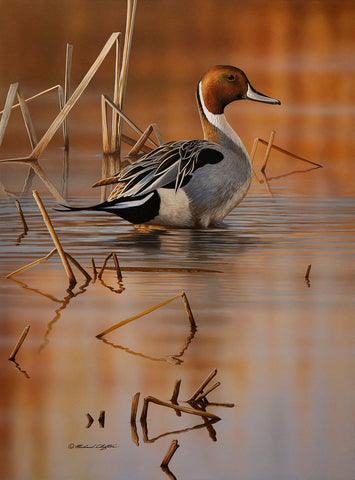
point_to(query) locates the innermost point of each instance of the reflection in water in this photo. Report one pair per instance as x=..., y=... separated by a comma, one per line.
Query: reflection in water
x=173, y=358
x=64, y=303
x=58, y=311
x=17, y=366
x=198, y=403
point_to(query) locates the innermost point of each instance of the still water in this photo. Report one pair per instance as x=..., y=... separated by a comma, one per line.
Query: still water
x=283, y=345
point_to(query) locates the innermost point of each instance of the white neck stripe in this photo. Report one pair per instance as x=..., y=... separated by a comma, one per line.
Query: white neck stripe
x=219, y=121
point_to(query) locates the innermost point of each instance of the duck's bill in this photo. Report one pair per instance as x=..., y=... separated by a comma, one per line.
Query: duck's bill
x=259, y=97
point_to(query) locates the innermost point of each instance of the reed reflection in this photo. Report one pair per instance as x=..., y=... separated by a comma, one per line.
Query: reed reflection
x=198, y=403
x=172, y=358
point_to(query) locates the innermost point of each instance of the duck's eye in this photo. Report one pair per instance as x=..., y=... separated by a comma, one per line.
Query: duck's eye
x=231, y=78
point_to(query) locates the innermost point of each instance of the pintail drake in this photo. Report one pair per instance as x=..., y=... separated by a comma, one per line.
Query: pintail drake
x=191, y=183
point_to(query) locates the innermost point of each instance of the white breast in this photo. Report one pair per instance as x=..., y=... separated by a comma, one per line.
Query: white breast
x=174, y=209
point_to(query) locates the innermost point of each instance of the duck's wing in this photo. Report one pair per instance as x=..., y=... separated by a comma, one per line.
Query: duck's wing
x=171, y=166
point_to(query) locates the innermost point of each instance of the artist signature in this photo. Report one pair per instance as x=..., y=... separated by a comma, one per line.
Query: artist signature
x=99, y=446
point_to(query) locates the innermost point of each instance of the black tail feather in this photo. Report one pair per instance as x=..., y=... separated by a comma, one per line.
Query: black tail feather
x=140, y=209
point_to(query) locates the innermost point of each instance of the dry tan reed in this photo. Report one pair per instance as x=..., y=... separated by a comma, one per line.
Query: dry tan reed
x=190, y=410
x=270, y=145
x=308, y=272
x=23, y=220
x=19, y=343
x=47, y=221
x=139, y=315
x=200, y=389
x=175, y=395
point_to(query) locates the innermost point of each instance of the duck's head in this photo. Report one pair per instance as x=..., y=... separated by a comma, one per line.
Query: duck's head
x=224, y=84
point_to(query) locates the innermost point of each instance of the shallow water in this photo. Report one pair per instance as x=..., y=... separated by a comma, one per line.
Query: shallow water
x=283, y=345
x=284, y=348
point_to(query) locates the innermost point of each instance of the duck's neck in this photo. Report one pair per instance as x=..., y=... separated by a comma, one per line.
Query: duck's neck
x=215, y=126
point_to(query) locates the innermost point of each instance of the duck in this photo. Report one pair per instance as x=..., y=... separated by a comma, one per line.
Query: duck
x=191, y=183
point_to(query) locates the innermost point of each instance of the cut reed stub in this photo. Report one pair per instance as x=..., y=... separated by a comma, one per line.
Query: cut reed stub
x=19, y=343
x=175, y=395
x=308, y=272
x=101, y=419
x=23, y=220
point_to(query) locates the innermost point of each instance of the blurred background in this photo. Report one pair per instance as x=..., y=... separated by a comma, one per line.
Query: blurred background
x=300, y=51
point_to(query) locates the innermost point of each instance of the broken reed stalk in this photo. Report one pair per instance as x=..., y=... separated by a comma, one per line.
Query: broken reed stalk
x=189, y=311
x=190, y=410
x=78, y=266
x=111, y=104
x=27, y=119
x=42, y=144
x=130, y=141
x=104, y=127
x=104, y=266
x=133, y=154
x=23, y=220
x=42, y=175
x=253, y=150
x=19, y=343
x=117, y=267
x=114, y=124
x=37, y=95
x=268, y=150
x=139, y=315
x=32, y=264
x=11, y=94
x=204, y=394
x=67, y=76
x=203, y=385
x=174, y=397
x=47, y=221
x=140, y=142
x=286, y=152
x=131, y=11
x=227, y=405
x=172, y=449
x=308, y=272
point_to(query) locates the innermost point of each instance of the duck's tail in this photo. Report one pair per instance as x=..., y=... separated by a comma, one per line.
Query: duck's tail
x=140, y=209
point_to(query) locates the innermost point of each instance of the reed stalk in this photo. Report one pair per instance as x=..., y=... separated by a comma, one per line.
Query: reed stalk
x=19, y=343
x=32, y=264
x=175, y=395
x=47, y=221
x=131, y=11
x=67, y=77
x=42, y=144
x=139, y=315
x=11, y=94
x=23, y=220
x=268, y=150
x=27, y=119
x=200, y=389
